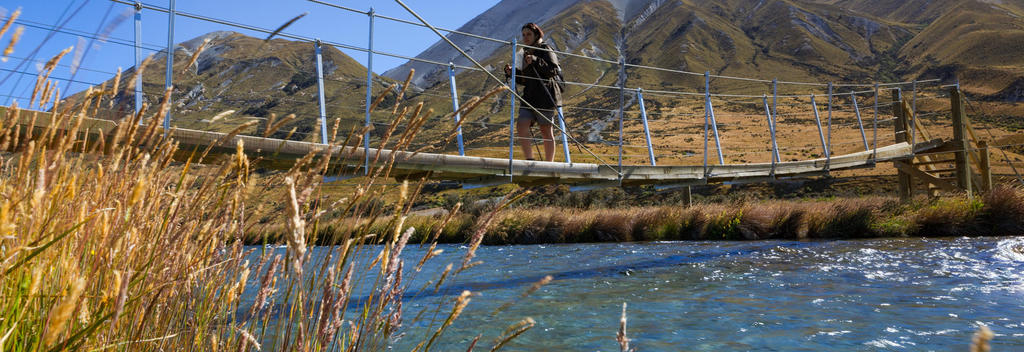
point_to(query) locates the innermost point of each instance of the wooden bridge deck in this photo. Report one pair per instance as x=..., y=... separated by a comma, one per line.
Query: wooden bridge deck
x=277, y=153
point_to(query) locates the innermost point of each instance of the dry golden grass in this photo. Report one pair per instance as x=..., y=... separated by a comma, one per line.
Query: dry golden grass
x=10, y=20
x=14, y=41
x=109, y=241
x=979, y=342
x=996, y=213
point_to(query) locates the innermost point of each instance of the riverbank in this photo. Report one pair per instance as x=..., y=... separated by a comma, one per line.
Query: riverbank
x=998, y=213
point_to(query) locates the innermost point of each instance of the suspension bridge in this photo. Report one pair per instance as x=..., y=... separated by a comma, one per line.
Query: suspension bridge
x=279, y=153
x=916, y=154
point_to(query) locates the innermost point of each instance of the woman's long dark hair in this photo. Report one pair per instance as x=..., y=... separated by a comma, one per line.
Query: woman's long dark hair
x=533, y=27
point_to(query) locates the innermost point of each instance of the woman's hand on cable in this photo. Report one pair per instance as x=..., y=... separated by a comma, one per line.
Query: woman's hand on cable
x=528, y=59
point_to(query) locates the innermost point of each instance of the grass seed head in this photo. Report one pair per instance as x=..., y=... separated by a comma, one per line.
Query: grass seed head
x=981, y=338
x=10, y=20
x=61, y=313
x=14, y=41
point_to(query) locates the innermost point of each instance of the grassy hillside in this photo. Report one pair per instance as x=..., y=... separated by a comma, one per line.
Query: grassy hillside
x=979, y=45
x=255, y=79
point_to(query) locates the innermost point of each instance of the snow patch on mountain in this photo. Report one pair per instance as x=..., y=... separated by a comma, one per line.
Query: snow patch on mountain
x=194, y=43
x=646, y=13
x=629, y=9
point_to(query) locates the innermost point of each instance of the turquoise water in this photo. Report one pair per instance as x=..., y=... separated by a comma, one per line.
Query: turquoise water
x=893, y=295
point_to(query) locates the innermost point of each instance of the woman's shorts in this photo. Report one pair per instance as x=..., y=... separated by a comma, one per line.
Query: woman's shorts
x=546, y=119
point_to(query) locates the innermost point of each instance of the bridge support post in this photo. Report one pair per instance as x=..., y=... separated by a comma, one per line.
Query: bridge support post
x=622, y=107
x=821, y=133
x=771, y=130
x=647, y=130
x=138, y=56
x=984, y=166
x=512, y=110
x=168, y=79
x=455, y=106
x=688, y=196
x=828, y=156
x=874, y=128
x=773, y=116
x=714, y=128
x=565, y=137
x=369, y=96
x=775, y=95
x=906, y=180
x=320, y=90
x=710, y=114
x=860, y=122
x=707, y=114
x=960, y=141
x=913, y=118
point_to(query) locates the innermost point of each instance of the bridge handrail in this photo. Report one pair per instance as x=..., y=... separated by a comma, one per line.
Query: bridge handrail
x=708, y=95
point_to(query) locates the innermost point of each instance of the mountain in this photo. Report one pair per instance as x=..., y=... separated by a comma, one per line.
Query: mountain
x=502, y=21
x=806, y=40
x=256, y=79
x=979, y=41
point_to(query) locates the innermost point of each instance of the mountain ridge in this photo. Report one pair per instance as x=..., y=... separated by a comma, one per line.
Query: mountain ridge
x=818, y=40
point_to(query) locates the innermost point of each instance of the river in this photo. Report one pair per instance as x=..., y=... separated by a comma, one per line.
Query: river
x=889, y=294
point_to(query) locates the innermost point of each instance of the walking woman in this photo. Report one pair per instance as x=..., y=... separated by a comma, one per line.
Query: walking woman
x=536, y=70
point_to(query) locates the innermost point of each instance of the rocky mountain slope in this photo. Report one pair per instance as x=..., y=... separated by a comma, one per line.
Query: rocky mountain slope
x=502, y=21
x=811, y=40
x=255, y=79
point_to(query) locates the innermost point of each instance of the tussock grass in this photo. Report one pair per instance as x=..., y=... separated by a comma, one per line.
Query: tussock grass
x=997, y=213
x=110, y=240
x=1003, y=211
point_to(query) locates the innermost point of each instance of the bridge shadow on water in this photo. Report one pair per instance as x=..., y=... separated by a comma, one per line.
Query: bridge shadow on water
x=700, y=255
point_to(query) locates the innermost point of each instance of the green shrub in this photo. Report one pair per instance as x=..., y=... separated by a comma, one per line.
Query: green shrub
x=725, y=226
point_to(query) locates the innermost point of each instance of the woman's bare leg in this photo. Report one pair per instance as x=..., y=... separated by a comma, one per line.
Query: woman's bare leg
x=523, y=135
x=547, y=133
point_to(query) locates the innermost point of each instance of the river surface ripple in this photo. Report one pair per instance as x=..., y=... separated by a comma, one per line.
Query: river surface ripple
x=890, y=294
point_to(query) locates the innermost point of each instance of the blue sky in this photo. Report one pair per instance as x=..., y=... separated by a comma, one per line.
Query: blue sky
x=101, y=60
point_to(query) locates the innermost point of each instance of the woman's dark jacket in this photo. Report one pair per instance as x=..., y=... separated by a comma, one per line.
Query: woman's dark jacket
x=537, y=78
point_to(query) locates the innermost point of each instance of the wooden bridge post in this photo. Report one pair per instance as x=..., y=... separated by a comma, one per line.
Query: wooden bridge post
x=688, y=196
x=906, y=181
x=984, y=167
x=960, y=142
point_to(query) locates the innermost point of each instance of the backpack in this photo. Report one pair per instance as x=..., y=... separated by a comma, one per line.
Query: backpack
x=559, y=80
